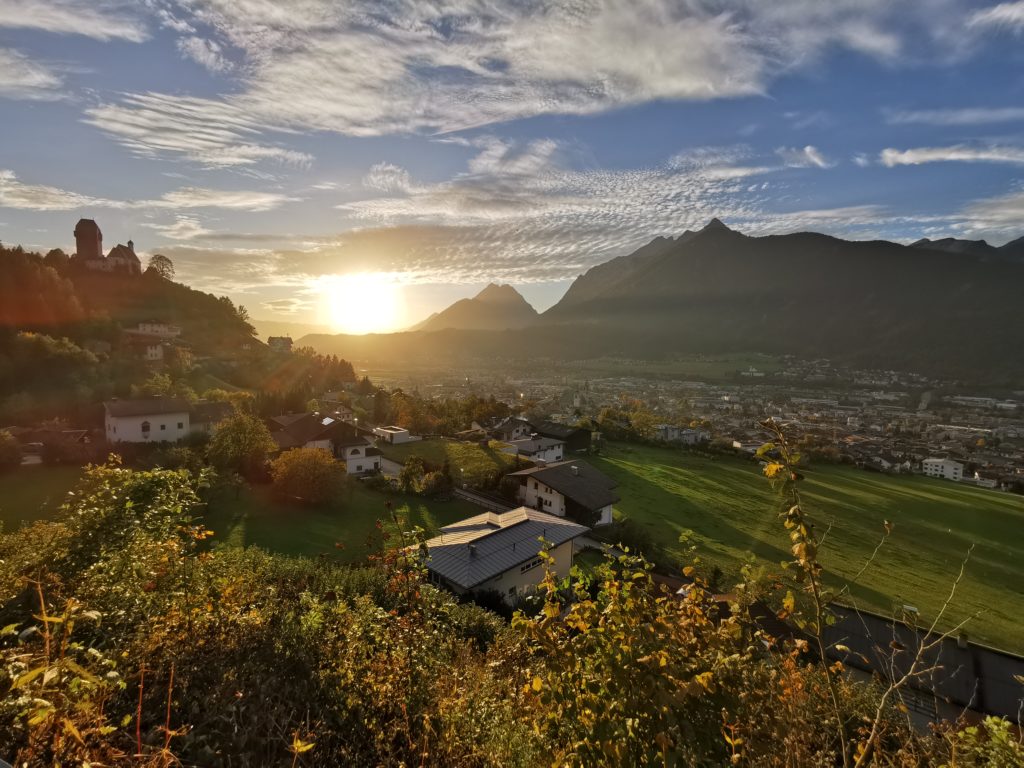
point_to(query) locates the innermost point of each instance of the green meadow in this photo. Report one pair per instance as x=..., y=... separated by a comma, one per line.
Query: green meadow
x=731, y=513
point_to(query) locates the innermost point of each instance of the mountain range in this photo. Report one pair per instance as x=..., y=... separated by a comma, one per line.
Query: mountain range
x=950, y=307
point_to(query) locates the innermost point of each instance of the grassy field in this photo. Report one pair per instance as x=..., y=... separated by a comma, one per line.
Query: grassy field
x=467, y=460
x=34, y=493
x=254, y=518
x=732, y=511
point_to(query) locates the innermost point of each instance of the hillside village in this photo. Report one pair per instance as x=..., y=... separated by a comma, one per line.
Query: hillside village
x=518, y=450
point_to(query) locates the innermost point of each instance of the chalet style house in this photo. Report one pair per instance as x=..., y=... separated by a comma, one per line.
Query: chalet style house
x=501, y=552
x=160, y=419
x=330, y=433
x=572, y=488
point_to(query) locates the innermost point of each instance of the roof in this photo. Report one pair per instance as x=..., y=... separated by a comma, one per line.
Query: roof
x=531, y=445
x=146, y=406
x=586, y=486
x=122, y=252
x=551, y=429
x=500, y=541
x=294, y=430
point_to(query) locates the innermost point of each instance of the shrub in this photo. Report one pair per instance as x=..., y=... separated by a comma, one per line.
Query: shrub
x=10, y=451
x=309, y=475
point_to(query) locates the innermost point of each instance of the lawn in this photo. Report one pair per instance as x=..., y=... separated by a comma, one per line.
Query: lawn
x=34, y=493
x=731, y=511
x=255, y=518
x=468, y=461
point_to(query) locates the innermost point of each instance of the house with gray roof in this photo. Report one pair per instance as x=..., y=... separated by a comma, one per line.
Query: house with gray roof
x=160, y=419
x=572, y=488
x=501, y=551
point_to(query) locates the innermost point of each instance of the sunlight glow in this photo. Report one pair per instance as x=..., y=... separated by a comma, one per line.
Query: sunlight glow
x=367, y=302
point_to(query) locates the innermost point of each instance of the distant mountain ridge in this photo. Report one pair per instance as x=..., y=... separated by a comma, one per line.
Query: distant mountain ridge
x=947, y=310
x=1012, y=251
x=495, y=308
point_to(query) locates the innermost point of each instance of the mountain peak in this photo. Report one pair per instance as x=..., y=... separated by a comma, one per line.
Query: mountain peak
x=715, y=224
x=495, y=293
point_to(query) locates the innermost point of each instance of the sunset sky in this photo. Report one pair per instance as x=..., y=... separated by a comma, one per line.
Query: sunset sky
x=413, y=152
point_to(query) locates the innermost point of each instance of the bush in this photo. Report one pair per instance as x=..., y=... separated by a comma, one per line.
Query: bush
x=10, y=451
x=309, y=475
x=435, y=484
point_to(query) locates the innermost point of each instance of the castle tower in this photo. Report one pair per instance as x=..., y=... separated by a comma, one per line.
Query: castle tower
x=88, y=240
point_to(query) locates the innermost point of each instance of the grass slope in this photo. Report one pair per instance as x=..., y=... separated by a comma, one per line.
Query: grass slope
x=732, y=511
x=468, y=461
x=255, y=518
x=34, y=493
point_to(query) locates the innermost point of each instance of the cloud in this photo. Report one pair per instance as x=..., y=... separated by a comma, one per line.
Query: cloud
x=807, y=157
x=958, y=153
x=22, y=78
x=200, y=197
x=1002, y=214
x=1003, y=15
x=98, y=19
x=207, y=132
x=367, y=68
x=37, y=197
x=964, y=116
x=206, y=53
x=861, y=160
x=386, y=177
x=183, y=228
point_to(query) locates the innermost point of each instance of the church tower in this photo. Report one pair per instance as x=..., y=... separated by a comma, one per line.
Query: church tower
x=88, y=240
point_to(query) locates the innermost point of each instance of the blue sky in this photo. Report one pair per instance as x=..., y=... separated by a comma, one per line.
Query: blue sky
x=266, y=146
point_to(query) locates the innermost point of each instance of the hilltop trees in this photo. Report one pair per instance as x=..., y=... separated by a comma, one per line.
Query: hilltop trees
x=161, y=266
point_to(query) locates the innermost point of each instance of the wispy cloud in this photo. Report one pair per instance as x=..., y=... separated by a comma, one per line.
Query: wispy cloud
x=206, y=53
x=1009, y=15
x=958, y=153
x=208, y=132
x=1003, y=214
x=37, y=197
x=805, y=157
x=98, y=19
x=370, y=68
x=962, y=116
x=22, y=78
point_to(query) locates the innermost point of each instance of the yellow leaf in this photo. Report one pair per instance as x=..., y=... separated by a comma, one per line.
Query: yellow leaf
x=537, y=683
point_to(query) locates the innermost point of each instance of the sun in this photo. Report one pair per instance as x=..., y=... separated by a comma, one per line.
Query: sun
x=366, y=302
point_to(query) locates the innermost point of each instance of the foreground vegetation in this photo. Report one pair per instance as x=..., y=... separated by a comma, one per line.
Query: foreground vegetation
x=468, y=462
x=716, y=503
x=129, y=642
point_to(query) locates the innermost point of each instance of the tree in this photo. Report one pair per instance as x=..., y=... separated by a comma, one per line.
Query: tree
x=241, y=444
x=10, y=451
x=162, y=266
x=310, y=475
x=411, y=474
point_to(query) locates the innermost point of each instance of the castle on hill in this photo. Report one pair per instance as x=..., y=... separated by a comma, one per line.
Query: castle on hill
x=89, y=251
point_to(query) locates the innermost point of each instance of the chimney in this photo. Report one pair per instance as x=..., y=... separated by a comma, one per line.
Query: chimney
x=575, y=470
x=472, y=550
x=131, y=246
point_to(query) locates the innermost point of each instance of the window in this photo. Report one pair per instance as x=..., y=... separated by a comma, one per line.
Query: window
x=163, y=427
x=535, y=485
x=355, y=451
x=181, y=425
x=512, y=591
x=145, y=429
x=530, y=565
x=359, y=467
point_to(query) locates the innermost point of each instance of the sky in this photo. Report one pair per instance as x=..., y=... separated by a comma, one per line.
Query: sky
x=363, y=164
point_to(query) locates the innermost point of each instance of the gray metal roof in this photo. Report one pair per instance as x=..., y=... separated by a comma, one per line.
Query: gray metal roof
x=532, y=445
x=576, y=480
x=146, y=406
x=471, y=551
